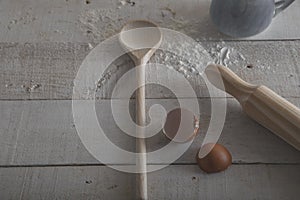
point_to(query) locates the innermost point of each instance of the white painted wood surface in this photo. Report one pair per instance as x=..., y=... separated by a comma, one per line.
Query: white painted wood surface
x=54, y=67
x=44, y=43
x=174, y=182
x=43, y=133
x=67, y=21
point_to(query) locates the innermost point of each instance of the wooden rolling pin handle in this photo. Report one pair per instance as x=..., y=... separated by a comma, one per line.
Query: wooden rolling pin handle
x=261, y=104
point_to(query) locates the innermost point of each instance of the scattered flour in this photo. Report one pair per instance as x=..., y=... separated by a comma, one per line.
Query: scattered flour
x=90, y=46
x=229, y=56
x=127, y=2
x=189, y=59
x=223, y=58
x=22, y=19
x=184, y=58
x=225, y=55
x=59, y=31
x=106, y=76
x=31, y=87
x=8, y=85
x=123, y=2
x=100, y=24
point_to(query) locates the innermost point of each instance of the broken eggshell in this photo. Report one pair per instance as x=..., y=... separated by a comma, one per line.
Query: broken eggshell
x=181, y=125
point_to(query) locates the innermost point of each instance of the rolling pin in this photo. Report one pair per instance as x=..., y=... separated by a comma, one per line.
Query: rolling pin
x=260, y=103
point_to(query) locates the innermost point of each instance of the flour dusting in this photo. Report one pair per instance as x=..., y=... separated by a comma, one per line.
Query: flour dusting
x=100, y=24
x=31, y=87
x=191, y=59
x=226, y=55
x=22, y=18
x=186, y=58
x=127, y=2
x=8, y=85
x=106, y=76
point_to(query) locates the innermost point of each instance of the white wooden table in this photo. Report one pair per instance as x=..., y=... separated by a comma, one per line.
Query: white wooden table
x=43, y=43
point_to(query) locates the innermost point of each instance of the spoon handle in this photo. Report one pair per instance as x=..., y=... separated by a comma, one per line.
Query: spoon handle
x=261, y=104
x=141, y=121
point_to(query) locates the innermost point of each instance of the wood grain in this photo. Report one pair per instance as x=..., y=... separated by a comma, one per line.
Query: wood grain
x=43, y=133
x=44, y=42
x=174, y=182
x=67, y=21
x=54, y=66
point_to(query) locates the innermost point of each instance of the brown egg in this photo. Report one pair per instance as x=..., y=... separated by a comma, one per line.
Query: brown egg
x=181, y=125
x=218, y=159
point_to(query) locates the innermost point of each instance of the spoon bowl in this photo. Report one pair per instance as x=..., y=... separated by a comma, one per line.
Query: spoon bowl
x=141, y=38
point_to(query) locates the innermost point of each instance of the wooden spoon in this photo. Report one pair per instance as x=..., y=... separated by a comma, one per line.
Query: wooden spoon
x=135, y=36
x=260, y=103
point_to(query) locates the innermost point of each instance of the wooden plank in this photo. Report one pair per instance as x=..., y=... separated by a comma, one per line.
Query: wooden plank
x=238, y=182
x=43, y=133
x=67, y=21
x=174, y=182
x=97, y=182
x=53, y=67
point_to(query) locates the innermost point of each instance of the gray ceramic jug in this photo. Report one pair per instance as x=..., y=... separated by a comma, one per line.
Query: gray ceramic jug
x=244, y=18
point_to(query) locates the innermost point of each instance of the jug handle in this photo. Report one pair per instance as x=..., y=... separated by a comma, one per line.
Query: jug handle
x=281, y=5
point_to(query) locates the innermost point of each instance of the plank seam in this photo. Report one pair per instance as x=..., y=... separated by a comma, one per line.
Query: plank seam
x=100, y=165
